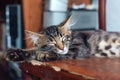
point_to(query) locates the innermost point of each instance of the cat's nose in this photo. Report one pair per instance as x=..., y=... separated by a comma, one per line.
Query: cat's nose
x=61, y=47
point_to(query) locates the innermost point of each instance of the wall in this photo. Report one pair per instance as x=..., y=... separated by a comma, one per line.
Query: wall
x=113, y=15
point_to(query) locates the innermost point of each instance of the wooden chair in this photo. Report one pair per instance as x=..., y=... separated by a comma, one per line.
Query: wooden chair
x=92, y=68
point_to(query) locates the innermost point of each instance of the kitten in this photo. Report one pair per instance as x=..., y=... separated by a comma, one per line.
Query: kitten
x=50, y=44
x=60, y=42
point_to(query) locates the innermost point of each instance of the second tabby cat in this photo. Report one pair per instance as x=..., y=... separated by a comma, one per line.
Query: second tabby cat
x=60, y=42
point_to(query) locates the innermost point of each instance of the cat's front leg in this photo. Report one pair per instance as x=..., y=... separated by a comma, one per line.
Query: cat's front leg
x=46, y=56
x=17, y=55
x=27, y=55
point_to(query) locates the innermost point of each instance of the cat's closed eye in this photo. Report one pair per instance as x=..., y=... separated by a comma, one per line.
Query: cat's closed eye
x=46, y=48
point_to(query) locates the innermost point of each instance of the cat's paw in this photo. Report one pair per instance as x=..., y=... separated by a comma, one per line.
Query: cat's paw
x=16, y=54
x=45, y=56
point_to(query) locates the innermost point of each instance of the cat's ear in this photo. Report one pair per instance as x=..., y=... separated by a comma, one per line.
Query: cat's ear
x=33, y=36
x=67, y=22
x=66, y=25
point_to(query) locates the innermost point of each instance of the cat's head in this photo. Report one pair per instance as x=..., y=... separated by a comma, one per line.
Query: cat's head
x=54, y=38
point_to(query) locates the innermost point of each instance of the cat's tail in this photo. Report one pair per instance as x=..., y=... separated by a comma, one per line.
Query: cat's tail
x=17, y=55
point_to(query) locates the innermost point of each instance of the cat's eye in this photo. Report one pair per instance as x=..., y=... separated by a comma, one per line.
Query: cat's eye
x=45, y=48
x=66, y=38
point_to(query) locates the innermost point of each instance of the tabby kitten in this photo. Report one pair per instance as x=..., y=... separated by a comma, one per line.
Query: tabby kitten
x=50, y=44
x=60, y=42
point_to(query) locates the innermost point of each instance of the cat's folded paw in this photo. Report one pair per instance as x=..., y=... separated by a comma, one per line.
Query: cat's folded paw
x=45, y=56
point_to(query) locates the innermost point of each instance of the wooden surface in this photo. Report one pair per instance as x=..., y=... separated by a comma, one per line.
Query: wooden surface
x=91, y=68
x=48, y=72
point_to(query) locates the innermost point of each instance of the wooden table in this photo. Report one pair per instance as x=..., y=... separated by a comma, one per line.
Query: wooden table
x=83, y=69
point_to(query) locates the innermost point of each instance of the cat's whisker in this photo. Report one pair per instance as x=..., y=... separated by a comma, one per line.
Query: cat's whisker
x=28, y=37
x=33, y=39
x=31, y=42
x=73, y=23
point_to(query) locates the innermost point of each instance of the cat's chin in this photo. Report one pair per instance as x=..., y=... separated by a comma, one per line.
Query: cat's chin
x=62, y=52
x=65, y=51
